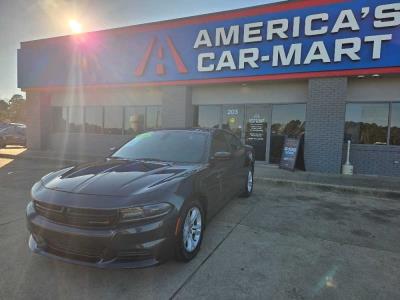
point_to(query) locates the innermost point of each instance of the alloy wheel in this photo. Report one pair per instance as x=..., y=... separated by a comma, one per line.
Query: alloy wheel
x=192, y=229
x=250, y=181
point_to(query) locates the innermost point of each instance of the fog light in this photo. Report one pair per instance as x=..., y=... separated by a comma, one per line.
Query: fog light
x=40, y=242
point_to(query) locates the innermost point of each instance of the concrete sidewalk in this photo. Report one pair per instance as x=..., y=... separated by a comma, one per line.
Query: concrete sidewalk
x=379, y=186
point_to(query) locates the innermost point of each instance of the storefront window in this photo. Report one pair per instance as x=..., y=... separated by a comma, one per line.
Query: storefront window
x=59, y=118
x=233, y=119
x=93, y=119
x=395, y=125
x=75, y=119
x=209, y=116
x=367, y=123
x=287, y=120
x=153, y=117
x=134, y=120
x=113, y=116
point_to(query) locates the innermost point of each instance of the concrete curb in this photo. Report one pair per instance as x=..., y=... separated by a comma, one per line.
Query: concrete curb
x=381, y=193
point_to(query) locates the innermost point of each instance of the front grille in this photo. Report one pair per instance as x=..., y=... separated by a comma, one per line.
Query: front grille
x=72, y=254
x=134, y=254
x=78, y=217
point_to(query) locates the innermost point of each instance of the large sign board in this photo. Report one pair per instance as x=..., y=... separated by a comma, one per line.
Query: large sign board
x=290, y=153
x=296, y=39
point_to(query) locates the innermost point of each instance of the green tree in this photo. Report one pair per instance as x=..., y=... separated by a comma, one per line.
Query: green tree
x=17, y=109
x=3, y=111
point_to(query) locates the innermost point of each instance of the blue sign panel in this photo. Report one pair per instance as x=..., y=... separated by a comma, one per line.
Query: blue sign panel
x=290, y=153
x=300, y=39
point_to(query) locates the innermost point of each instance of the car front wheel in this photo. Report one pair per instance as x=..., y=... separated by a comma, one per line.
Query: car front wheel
x=190, y=234
x=249, y=184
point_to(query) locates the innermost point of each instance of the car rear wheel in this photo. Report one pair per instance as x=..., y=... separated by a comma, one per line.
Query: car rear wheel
x=190, y=233
x=249, y=184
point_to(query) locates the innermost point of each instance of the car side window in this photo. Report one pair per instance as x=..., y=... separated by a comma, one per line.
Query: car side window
x=219, y=143
x=234, y=143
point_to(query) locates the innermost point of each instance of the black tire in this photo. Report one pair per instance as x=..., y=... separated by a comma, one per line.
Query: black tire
x=247, y=188
x=181, y=252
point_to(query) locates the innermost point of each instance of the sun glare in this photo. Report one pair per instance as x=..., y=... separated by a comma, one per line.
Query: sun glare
x=75, y=26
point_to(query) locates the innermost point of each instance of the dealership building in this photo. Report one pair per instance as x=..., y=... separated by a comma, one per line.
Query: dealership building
x=326, y=70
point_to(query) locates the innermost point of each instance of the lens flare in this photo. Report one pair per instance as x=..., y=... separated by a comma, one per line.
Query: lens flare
x=75, y=26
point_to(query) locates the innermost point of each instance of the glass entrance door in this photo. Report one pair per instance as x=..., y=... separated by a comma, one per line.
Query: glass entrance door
x=287, y=120
x=233, y=119
x=256, y=129
x=263, y=126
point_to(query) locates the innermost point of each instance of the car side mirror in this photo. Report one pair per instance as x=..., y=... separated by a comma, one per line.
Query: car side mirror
x=222, y=156
x=112, y=149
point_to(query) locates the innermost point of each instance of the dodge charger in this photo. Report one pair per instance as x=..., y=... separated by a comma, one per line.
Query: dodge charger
x=145, y=203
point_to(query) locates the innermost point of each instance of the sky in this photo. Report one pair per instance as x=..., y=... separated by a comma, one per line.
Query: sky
x=25, y=20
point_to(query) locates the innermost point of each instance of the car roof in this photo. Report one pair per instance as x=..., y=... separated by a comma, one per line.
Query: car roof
x=18, y=125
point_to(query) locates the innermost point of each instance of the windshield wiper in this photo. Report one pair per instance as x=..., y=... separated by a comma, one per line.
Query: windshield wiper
x=119, y=158
x=138, y=159
x=150, y=159
x=156, y=160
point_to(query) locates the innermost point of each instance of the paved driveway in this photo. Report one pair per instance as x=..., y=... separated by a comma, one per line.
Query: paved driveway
x=282, y=243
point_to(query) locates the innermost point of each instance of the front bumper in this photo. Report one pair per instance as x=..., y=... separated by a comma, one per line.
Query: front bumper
x=126, y=246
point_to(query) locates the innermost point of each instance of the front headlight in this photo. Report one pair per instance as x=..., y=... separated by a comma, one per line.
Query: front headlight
x=146, y=212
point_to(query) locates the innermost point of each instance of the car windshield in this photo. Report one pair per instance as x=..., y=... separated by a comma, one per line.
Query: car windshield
x=169, y=145
x=4, y=129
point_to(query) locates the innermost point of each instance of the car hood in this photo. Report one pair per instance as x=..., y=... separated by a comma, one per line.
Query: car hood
x=115, y=178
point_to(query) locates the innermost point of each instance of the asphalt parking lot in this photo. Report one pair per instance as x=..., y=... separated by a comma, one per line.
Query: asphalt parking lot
x=282, y=243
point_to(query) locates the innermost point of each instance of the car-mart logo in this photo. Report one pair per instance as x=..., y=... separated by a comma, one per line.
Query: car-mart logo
x=160, y=67
x=293, y=41
x=308, y=41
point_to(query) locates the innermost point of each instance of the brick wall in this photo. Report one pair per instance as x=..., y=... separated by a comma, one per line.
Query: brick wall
x=374, y=159
x=325, y=124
